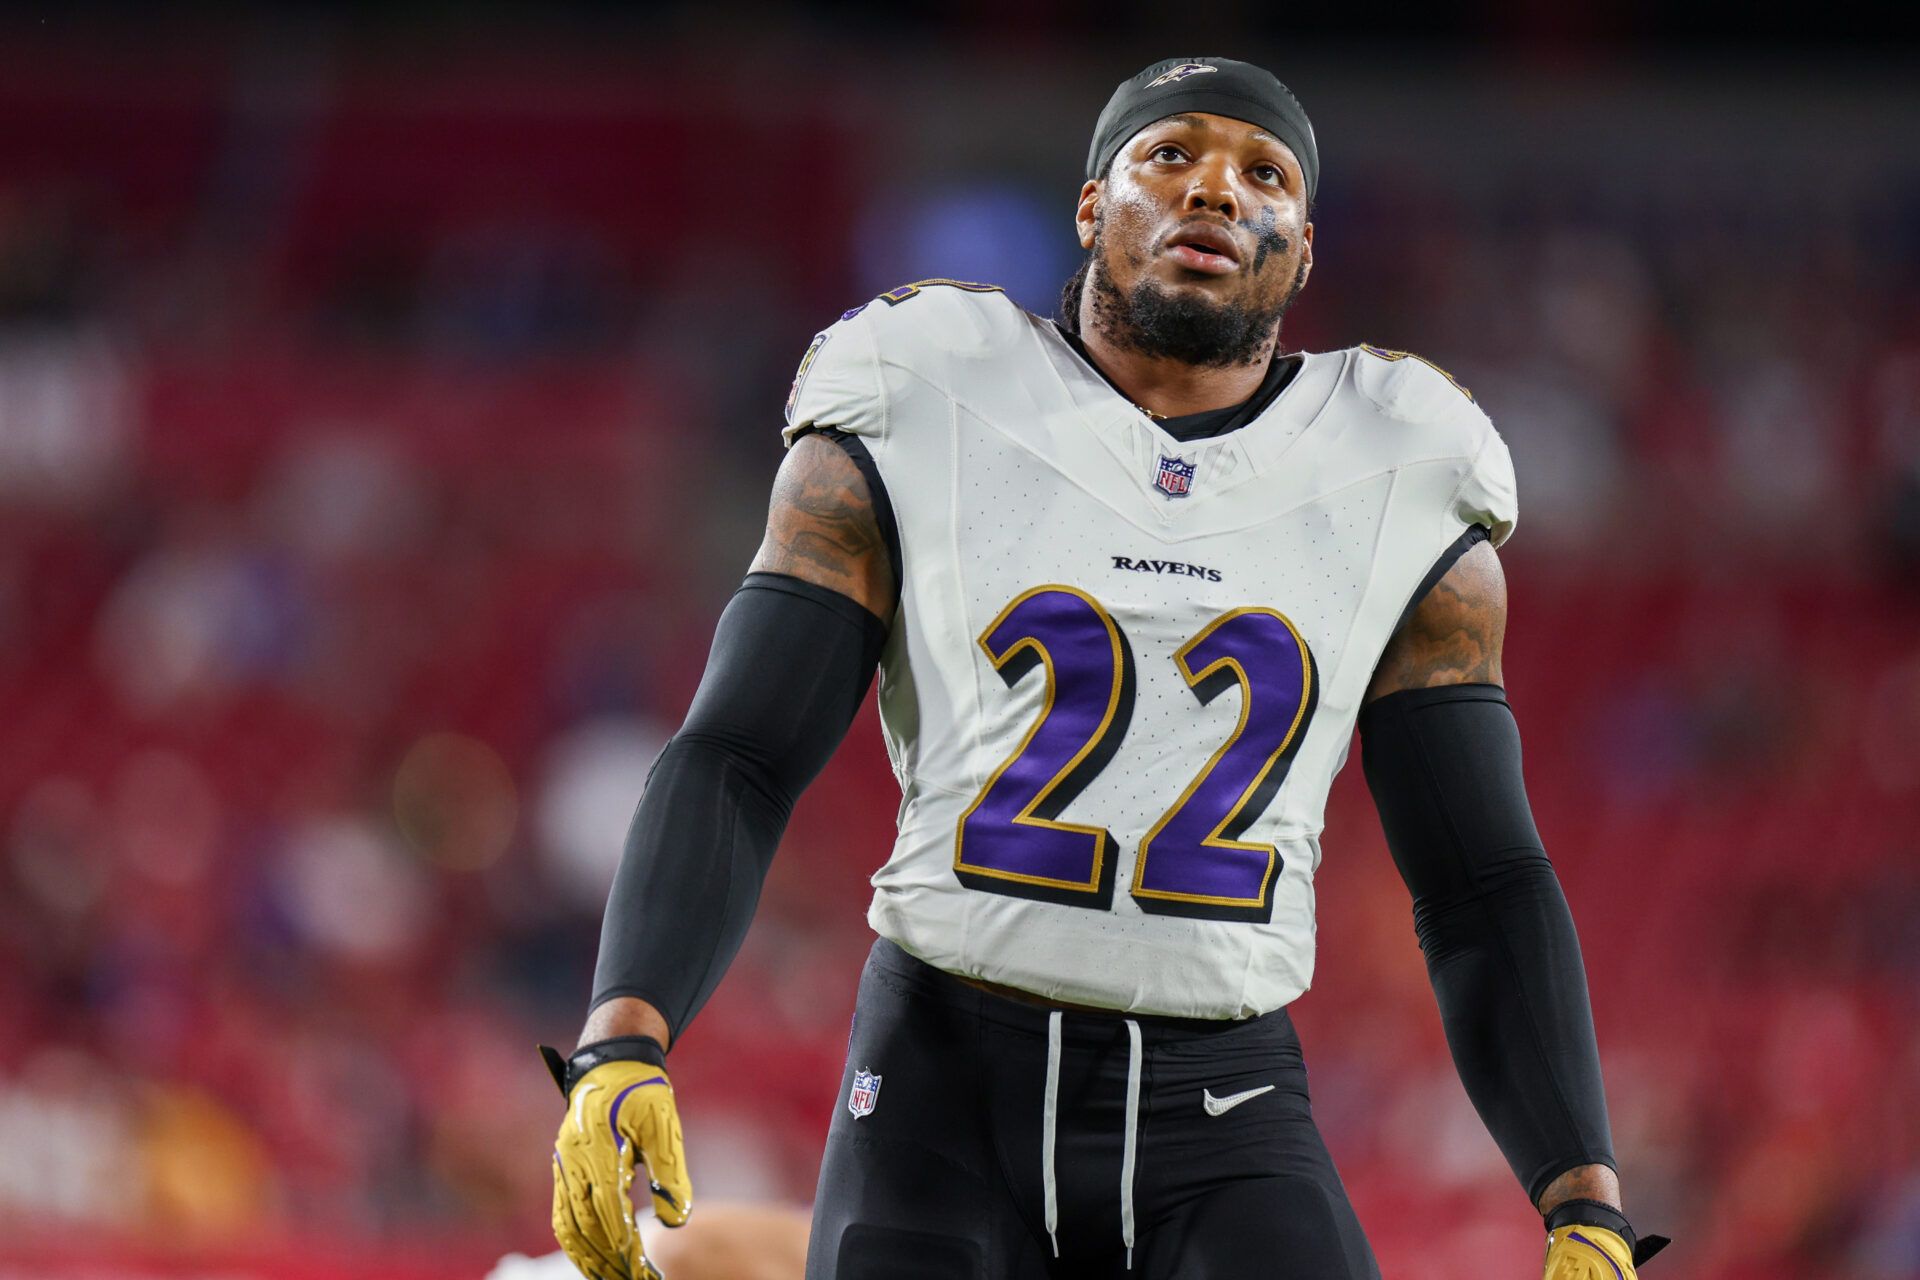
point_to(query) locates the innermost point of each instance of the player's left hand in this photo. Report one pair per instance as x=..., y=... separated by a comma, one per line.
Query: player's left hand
x=620, y=1117
x=1580, y=1248
x=1588, y=1253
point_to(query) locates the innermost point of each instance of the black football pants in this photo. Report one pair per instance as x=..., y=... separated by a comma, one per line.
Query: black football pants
x=946, y=1176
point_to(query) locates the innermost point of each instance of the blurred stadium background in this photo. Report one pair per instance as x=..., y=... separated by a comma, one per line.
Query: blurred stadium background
x=387, y=407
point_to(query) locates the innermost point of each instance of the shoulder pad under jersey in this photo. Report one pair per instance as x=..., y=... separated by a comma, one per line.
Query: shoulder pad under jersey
x=844, y=379
x=1448, y=423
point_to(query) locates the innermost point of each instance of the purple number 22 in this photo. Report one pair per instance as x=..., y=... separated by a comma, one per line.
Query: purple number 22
x=1192, y=862
x=1009, y=840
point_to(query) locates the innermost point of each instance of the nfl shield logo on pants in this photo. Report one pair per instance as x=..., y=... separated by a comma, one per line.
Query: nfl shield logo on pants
x=1175, y=478
x=866, y=1090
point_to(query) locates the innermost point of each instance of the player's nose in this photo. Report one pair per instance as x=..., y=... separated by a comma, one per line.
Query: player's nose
x=1212, y=190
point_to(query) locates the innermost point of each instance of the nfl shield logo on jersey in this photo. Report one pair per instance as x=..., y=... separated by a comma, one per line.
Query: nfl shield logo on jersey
x=866, y=1091
x=1175, y=478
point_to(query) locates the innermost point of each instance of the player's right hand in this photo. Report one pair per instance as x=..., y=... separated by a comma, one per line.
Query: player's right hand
x=620, y=1117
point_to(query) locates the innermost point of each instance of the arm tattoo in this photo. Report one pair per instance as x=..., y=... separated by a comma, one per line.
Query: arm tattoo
x=821, y=527
x=1454, y=635
x=1587, y=1182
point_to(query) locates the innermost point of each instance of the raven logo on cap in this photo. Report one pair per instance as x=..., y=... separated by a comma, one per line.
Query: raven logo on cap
x=1181, y=72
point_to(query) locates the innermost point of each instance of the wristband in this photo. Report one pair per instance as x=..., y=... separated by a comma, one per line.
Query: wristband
x=568, y=1071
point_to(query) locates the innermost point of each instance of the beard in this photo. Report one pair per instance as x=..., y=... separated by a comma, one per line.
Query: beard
x=1186, y=326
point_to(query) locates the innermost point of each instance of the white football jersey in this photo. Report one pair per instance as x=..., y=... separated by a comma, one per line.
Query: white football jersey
x=1125, y=669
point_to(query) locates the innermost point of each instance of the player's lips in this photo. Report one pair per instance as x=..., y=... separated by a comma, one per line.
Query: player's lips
x=1204, y=247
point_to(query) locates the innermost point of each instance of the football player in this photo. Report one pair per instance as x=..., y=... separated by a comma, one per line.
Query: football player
x=1130, y=579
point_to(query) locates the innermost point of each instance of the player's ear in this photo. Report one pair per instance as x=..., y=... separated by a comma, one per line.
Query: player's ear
x=1088, y=211
x=1306, y=253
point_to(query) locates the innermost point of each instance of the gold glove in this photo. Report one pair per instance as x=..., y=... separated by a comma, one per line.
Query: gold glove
x=1592, y=1240
x=620, y=1116
x=1588, y=1253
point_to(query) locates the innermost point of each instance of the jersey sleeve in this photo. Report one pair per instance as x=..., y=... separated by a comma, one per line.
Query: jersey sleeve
x=838, y=382
x=1448, y=423
x=1488, y=494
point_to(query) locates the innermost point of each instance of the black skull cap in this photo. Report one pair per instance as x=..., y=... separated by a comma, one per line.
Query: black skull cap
x=1218, y=86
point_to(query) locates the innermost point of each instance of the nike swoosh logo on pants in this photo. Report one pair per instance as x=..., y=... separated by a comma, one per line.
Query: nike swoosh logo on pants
x=1220, y=1106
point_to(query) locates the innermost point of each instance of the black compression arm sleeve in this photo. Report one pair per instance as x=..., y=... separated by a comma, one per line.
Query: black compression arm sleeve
x=1444, y=768
x=790, y=664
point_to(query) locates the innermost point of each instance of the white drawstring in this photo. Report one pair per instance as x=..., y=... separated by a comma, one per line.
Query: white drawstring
x=1133, y=1133
x=1046, y=1134
x=1050, y=1120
